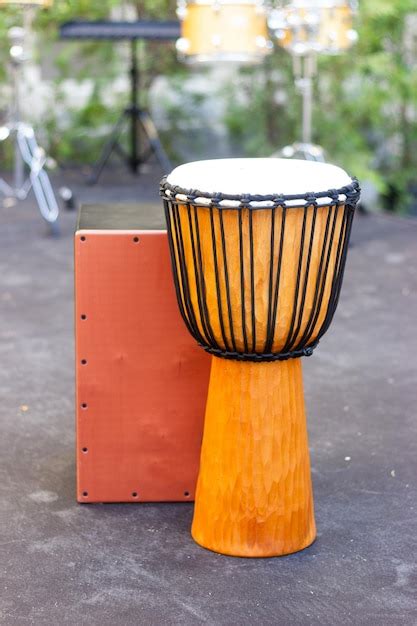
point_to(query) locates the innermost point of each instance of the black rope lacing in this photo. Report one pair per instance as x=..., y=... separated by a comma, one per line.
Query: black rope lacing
x=237, y=337
x=169, y=191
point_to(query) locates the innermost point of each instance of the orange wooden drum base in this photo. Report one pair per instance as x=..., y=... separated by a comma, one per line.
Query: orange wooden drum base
x=254, y=495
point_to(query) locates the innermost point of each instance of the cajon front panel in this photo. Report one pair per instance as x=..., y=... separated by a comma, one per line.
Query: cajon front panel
x=141, y=380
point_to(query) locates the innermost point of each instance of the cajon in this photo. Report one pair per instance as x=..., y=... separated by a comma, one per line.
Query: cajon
x=141, y=381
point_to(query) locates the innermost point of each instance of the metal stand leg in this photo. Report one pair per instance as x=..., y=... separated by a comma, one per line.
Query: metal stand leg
x=304, y=71
x=154, y=141
x=34, y=158
x=19, y=166
x=111, y=145
x=27, y=154
x=134, y=159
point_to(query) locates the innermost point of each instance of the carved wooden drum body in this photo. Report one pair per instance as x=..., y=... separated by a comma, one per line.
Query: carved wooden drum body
x=258, y=276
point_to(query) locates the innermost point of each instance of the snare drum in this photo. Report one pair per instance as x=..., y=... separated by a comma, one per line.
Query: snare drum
x=233, y=30
x=324, y=26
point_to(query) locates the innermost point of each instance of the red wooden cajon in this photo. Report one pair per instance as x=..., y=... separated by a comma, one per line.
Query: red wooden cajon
x=141, y=380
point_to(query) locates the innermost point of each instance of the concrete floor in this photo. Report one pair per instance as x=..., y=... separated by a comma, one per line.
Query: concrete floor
x=63, y=563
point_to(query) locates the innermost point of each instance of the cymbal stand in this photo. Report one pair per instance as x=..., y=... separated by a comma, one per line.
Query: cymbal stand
x=305, y=69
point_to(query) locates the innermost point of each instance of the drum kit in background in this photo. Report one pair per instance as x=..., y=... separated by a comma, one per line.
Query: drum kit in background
x=243, y=32
x=217, y=32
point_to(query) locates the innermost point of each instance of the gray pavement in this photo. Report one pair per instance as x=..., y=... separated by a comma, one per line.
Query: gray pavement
x=136, y=563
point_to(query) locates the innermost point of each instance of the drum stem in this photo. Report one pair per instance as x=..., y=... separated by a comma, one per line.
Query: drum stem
x=254, y=495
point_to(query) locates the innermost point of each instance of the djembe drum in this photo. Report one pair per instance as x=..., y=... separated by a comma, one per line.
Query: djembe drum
x=258, y=277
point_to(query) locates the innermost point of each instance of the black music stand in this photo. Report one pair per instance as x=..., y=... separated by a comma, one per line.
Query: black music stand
x=140, y=125
x=139, y=121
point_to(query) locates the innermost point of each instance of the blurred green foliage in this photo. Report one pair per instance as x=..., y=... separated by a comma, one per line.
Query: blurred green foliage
x=365, y=101
x=377, y=82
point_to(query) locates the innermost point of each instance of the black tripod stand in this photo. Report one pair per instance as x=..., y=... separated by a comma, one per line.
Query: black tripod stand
x=141, y=127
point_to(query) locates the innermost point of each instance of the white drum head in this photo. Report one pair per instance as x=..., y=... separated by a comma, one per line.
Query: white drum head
x=268, y=176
